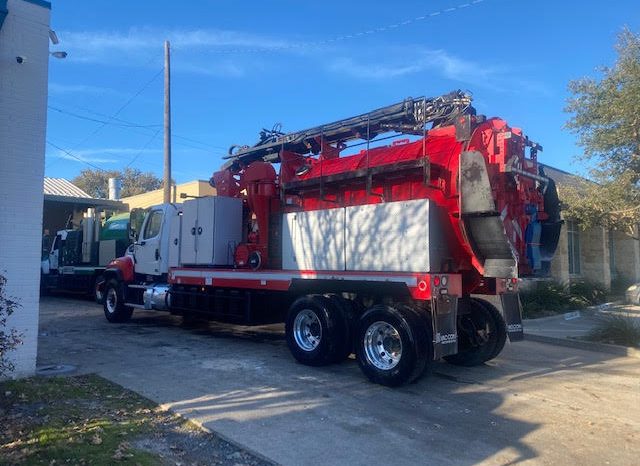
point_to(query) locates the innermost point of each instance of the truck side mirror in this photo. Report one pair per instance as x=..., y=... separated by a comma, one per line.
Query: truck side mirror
x=136, y=218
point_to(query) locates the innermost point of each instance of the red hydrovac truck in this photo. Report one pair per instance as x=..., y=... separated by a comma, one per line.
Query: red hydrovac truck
x=402, y=254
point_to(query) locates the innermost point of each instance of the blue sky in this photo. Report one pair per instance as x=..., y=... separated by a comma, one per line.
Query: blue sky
x=240, y=66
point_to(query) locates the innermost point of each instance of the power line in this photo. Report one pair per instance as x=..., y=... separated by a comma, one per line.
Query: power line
x=131, y=99
x=105, y=122
x=143, y=148
x=130, y=125
x=75, y=156
x=355, y=35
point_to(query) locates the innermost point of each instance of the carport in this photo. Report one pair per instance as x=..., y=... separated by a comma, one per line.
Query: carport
x=65, y=204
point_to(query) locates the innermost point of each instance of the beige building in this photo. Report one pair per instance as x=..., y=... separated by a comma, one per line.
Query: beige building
x=197, y=188
x=595, y=254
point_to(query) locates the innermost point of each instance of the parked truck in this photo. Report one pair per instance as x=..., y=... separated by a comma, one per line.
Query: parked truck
x=387, y=253
x=75, y=258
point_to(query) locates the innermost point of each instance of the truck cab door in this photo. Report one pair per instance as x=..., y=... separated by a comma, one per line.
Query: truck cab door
x=147, y=250
x=54, y=254
x=151, y=250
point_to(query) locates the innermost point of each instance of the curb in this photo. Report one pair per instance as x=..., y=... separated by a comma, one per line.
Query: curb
x=585, y=345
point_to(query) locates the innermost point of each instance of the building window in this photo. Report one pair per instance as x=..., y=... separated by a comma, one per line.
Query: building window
x=612, y=256
x=573, y=235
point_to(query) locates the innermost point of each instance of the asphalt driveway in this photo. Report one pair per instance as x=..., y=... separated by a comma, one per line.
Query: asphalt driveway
x=536, y=403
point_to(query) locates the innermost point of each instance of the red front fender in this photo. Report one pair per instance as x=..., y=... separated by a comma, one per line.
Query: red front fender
x=122, y=268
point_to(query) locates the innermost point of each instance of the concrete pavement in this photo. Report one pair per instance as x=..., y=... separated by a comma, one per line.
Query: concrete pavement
x=536, y=403
x=572, y=328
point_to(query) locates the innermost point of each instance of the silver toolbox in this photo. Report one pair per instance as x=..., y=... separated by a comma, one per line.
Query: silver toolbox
x=211, y=229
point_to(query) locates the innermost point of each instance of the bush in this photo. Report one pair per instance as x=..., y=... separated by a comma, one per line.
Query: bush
x=9, y=339
x=544, y=298
x=617, y=329
x=548, y=297
x=589, y=293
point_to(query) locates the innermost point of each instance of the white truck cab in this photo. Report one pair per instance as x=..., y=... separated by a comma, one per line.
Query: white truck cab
x=158, y=235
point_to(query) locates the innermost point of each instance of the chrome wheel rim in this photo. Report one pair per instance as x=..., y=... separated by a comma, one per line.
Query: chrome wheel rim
x=111, y=300
x=307, y=330
x=383, y=345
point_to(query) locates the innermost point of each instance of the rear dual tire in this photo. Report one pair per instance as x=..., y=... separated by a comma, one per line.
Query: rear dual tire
x=393, y=344
x=482, y=334
x=317, y=330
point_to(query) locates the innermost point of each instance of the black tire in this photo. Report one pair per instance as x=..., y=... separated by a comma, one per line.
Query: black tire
x=114, y=309
x=400, y=323
x=316, y=331
x=347, y=310
x=474, y=350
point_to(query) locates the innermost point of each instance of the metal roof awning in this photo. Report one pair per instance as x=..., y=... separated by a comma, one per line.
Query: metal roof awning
x=87, y=201
x=61, y=190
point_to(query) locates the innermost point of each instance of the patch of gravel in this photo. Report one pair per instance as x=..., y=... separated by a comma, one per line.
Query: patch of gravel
x=179, y=442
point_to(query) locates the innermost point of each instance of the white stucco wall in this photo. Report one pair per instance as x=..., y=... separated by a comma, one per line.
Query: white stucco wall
x=23, y=114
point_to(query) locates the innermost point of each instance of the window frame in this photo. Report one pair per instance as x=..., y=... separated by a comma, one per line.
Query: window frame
x=145, y=231
x=574, y=248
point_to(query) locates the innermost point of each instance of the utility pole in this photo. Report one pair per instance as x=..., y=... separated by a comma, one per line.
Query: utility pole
x=167, y=124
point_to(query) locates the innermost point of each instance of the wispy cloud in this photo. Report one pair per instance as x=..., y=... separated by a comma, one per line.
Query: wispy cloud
x=412, y=60
x=96, y=43
x=57, y=88
x=200, y=51
x=105, y=155
x=226, y=68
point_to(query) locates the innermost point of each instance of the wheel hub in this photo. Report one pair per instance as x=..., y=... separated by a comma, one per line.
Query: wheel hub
x=383, y=345
x=478, y=333
x=111, y=300
x=307, y=330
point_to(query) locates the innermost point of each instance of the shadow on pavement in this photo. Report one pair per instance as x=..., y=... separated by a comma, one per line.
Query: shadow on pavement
x=242, y=383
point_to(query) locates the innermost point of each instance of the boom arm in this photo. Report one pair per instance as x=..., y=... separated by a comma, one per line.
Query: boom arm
x=409, y=117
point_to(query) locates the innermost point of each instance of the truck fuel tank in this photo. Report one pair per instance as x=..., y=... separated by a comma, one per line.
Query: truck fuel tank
x=156, y=297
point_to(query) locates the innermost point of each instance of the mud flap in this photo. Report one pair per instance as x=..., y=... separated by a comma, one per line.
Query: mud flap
x=444, y=317
x=512, y=313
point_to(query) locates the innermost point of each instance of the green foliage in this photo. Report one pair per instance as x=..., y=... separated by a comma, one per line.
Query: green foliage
x=544, y=298
x=9, y=338
x=549, y=297
x=96, y=182
x=613, y=203
x=606, y=119
x=617, y=329
x=74, y=420
x=87, y=420
x=587, y=292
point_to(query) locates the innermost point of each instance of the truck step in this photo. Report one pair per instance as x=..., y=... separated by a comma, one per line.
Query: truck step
x=135, y=306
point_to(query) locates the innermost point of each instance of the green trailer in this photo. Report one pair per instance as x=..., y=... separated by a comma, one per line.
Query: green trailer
x=75, y=259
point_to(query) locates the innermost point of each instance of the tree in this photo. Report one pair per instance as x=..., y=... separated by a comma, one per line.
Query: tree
x=96, y=182
x=606, y=119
